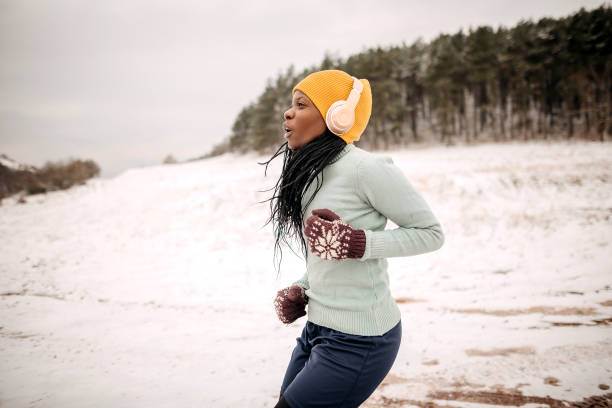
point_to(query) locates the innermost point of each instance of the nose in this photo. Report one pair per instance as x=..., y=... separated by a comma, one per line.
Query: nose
x=288, y=113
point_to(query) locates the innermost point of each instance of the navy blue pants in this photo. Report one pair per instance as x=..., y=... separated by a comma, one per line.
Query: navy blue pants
x=329, y=368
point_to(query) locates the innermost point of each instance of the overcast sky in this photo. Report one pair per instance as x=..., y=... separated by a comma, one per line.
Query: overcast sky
x=127, y=82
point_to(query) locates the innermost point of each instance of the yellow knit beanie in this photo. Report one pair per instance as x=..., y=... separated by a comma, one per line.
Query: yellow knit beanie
x=326, y=87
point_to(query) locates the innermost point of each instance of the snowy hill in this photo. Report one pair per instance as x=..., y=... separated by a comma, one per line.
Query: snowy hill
x=155, y=288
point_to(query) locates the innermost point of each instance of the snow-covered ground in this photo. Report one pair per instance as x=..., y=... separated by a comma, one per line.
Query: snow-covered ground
x=155, y=288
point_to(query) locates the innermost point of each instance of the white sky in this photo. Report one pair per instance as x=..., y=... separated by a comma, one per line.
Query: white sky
x=127, y=82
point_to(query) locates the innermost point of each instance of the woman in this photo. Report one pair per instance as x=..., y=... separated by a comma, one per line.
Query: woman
x=353, y=330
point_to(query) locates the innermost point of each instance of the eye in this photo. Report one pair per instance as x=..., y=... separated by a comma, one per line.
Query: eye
x=300, y=103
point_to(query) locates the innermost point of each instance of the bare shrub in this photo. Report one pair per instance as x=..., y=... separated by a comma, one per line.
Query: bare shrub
x=13, y=180
x=169, y=159
x=61, y=175
x=52, y=176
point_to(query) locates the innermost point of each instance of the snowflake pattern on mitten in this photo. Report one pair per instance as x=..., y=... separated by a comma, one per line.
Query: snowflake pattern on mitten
x=329, y=242
x=290, y=303
x=330, y=237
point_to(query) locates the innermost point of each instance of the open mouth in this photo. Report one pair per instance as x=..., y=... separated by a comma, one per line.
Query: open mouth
x=288, y=132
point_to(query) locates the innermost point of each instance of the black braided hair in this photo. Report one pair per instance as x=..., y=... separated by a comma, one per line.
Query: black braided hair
x=300, y=168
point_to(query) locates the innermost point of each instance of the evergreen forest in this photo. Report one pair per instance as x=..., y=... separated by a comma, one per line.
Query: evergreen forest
x=544, y=79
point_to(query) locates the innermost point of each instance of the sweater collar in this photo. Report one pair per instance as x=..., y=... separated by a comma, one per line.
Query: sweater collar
x=344, y=151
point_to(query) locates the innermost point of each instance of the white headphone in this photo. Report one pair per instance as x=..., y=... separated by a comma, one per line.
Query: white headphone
x=340, y=116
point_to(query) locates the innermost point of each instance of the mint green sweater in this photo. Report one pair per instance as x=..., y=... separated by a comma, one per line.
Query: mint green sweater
x=365, y=189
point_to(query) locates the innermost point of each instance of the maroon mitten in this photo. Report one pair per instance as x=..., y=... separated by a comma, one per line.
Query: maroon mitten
x=330, y=237
x=290, y=303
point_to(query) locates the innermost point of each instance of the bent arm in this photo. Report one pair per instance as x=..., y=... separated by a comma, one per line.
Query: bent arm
x=303, y=282
x=387, y=189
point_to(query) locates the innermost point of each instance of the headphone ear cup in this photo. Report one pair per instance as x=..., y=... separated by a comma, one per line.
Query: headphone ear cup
x=339, y=119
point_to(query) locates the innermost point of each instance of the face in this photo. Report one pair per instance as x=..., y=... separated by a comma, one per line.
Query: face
x=303, y=120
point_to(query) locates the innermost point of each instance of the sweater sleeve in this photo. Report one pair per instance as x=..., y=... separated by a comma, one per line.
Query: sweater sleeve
x=303, y=282
x=387, y=189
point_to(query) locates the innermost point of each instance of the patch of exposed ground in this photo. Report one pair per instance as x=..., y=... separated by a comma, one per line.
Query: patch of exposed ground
x=24, y=292
x=497, y=396
x=409, y=300
x=501, y=351
x=14, y=334
x=547, y=310
x=596, y=322
x=552, y=381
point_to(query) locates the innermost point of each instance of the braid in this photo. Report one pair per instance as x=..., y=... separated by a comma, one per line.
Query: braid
x=300, y=168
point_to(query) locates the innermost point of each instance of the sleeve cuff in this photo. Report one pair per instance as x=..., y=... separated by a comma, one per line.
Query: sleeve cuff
x=302, y=283
x=358, y=243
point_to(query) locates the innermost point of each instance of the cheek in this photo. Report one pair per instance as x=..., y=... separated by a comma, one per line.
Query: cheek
x=316, y=125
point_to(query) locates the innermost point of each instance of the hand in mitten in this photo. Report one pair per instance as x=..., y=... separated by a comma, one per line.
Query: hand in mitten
x=290, y=303
x=330, y=237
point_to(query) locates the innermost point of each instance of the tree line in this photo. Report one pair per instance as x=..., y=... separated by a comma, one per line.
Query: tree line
x=551, y=78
